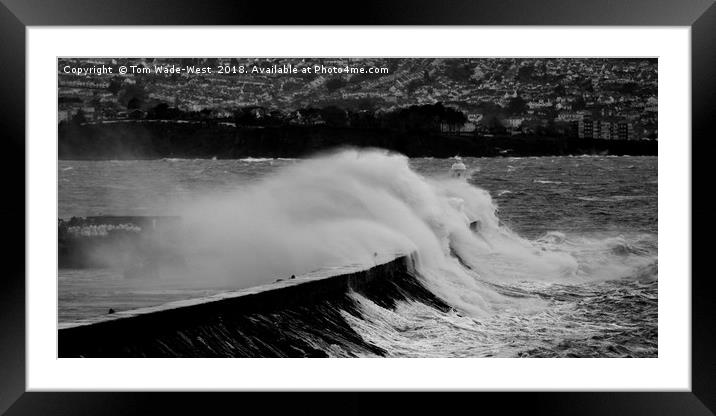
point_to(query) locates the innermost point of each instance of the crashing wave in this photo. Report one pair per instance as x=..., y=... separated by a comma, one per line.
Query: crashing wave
x=345, y=207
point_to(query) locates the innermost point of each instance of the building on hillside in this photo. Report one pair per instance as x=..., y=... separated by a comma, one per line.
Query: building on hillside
x=606, y=128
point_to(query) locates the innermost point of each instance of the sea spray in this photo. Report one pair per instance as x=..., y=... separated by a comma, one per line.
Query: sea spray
x=346, y=207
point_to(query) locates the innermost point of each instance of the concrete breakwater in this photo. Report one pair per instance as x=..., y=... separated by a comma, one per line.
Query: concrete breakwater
x=298, y=317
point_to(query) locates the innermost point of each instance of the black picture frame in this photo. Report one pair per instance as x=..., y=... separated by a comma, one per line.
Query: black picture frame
x=16, y=15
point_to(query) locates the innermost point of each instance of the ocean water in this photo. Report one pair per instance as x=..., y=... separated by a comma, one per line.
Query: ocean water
x=562, y=262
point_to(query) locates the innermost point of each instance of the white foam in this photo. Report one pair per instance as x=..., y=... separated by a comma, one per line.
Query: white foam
x=346, y=207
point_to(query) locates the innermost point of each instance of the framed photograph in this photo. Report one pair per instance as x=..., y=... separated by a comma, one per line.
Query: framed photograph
x=475, y=200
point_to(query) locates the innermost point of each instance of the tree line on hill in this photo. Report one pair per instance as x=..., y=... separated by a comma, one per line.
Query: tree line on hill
x=429, y=117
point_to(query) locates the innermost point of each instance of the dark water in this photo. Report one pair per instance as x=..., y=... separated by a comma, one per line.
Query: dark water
x=591, y=207
x=534, y=195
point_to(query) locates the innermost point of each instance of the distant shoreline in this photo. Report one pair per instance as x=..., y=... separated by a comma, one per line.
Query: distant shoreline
x=156, y=140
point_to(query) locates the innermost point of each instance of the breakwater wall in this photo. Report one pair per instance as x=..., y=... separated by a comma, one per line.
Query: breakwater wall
x=301, y=317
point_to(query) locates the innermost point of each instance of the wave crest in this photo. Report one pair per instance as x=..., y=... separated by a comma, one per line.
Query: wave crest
x=351, y=206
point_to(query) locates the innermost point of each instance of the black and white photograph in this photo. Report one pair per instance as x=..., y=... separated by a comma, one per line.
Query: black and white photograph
x=427, y=207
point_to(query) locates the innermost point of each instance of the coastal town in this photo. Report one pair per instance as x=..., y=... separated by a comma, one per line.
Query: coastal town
x=592, y=98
